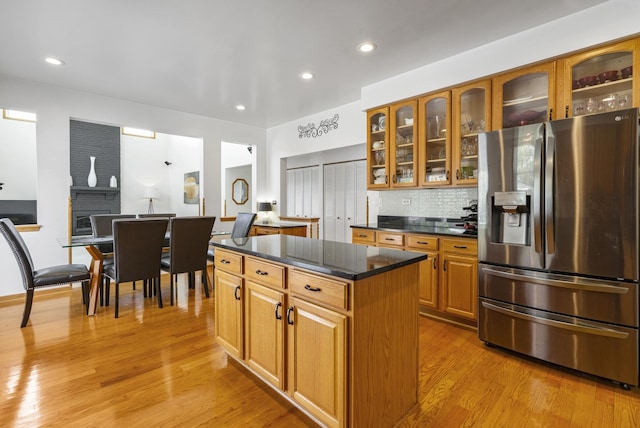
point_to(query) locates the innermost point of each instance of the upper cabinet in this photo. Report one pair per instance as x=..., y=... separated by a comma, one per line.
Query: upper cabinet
x=434, y=115
x=403, y=139
x=524, y=96
x=471, y=111
x=377, y=149
x=600, y=80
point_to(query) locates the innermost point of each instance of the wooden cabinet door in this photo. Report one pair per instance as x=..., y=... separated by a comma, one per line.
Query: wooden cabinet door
x=264, y=332
x=434, y=143
x=403, y=138
x=429, y=281
x=460, y=285
x=317, y=371
x=378, y=152
x=229, y=317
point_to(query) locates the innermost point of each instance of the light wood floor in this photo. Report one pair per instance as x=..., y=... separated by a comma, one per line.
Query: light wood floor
x=162, y=367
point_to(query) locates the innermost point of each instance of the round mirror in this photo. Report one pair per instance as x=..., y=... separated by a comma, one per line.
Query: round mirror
x=240, y=191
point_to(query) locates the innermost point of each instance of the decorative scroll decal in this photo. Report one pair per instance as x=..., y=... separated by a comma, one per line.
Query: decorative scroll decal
x=325, y=126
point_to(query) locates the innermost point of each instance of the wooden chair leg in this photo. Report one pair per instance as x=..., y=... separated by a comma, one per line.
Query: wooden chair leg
x=27, y=308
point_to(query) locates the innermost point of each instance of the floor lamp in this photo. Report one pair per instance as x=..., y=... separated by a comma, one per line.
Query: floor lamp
x=151, y=193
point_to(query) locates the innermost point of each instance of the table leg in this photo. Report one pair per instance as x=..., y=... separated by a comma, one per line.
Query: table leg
x=97, y=259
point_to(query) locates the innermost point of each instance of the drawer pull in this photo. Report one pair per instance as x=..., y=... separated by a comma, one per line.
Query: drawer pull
x=259, y=272
x=310, y=288
x=235, y=293
x=389, y=239
x=460, y=246
x=278, y=305
x=362, y=236
x=435, y=263
x=224, y=261
x=422, y=242
x=289, y=315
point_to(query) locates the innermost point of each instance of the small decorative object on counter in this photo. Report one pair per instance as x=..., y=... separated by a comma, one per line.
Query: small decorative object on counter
x=113, y=182
x=92, y=180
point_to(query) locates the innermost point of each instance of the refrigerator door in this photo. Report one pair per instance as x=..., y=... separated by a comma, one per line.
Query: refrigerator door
x=510, y=195
x=591, y=198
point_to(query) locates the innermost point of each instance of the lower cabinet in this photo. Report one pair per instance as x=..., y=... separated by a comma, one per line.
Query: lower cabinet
x=229, y=317
x=460, y=278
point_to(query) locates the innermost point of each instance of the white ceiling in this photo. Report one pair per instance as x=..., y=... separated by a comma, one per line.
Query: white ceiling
x=206, y=56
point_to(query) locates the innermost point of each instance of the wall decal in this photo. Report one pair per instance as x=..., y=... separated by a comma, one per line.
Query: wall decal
x=325, y=126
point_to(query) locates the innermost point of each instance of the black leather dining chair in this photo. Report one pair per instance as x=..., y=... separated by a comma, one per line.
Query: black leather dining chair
x=137, y=245
x=37, y=278
x=188, y=250
x=241, y=229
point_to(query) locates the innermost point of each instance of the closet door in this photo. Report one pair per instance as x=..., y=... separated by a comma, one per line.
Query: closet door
x=329, y=219
x=343, y=188
x=291, y=193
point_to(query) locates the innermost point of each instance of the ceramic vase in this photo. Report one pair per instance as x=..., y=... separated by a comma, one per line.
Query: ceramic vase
x=113, y=182
x=92, y=180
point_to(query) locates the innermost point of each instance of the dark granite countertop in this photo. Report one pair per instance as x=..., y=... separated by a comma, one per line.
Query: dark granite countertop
x=280, y=224
x=339, y=259
x=423, y=225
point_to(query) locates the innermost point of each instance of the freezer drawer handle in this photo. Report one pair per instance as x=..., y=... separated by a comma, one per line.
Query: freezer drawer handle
x=559, y=324
x=558, y=283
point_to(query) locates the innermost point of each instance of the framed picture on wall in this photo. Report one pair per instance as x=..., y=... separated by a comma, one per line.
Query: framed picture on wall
x=192, y=187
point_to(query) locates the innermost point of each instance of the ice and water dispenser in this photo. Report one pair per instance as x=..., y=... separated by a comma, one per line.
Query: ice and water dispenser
x=510, y=213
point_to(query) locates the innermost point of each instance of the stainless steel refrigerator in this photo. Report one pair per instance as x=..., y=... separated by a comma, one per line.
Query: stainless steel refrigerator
x=558, y=206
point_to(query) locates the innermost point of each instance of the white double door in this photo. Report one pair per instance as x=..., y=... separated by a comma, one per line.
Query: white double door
x=345, y=198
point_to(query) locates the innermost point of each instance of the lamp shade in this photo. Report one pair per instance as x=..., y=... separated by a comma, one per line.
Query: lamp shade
x=151, y=192
x=264, y=206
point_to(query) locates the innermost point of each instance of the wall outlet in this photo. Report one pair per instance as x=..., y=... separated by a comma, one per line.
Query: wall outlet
x=406, y=202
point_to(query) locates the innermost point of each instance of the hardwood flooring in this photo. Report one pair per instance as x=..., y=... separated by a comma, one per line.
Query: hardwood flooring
x=162, y=367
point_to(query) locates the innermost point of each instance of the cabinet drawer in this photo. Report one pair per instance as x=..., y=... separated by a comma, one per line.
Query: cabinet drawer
x=320, y=289
x=264, y=272
x=421, y=242
x=391, y=239
x=460, y=246
x=230, y=262
x=267, y=231
x=363, y=235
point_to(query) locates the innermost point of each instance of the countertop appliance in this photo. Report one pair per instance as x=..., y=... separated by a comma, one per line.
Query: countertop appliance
x=558, y=242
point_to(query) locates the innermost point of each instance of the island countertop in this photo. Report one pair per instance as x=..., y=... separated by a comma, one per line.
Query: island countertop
x=338, y=259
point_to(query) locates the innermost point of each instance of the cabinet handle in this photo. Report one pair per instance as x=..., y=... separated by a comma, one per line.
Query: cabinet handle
x=362, y=236
x=457, y=174
x=310, y=288
x=389, y=239
x=278, y=305
x=291, y=308
x=447, y=175
x=394, y=178
x=259, y=272
x=435, y=263
x=224, y=261
x=460, y=246
x=422, y=242
x=235, y=293
x=550, y=114
x=566, y=111
x=444, y=265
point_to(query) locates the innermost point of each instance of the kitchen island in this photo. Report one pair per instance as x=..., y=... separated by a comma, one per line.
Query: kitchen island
x=330, y=326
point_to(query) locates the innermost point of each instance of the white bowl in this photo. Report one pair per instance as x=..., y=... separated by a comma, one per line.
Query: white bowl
x=380, y=172
x=408, y=121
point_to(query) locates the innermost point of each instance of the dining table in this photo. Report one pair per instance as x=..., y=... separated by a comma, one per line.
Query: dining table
x=92, y=245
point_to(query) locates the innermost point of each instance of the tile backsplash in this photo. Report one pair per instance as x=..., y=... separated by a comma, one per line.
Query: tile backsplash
x=446, y=203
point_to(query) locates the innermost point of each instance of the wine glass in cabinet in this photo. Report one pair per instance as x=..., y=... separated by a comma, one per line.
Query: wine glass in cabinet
x=434, y=113
x=377, y=149
x=601, y=80
x=524, y=96
x=471, y=111
x=403, y=141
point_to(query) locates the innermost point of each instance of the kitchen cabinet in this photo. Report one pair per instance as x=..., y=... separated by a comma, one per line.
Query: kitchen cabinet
x=460, y=278
x=471, y=115
x=229, y=308
x=276, y=229
x=524, y=96
x=377, y=149
x=403, y=137
x=600, y=79
x=429, y=271
x=434, y=143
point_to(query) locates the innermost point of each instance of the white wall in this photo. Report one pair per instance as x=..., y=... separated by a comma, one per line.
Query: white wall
x=232, y=174
x=18, y=167
x=54, y=107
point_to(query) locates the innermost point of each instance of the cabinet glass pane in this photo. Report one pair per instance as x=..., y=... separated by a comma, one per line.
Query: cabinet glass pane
x=472, y=121
x=602, y=83
x=436, y=144
x=378, y=126
x=404, y=145
x=525, y=100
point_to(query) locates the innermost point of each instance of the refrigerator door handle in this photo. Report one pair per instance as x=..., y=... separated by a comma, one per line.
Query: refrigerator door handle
x=549, y=192
x=558, y=324
x=537, y=201
x=557, y=282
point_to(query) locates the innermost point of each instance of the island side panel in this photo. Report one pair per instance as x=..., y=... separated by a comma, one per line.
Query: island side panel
x=384, y=360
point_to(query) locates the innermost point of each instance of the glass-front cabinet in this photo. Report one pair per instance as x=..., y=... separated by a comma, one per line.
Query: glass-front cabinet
x=524, y=96
x=403, y=138
x=601, y=80
x=471, y=111
x=377, y=149
x=434, y=113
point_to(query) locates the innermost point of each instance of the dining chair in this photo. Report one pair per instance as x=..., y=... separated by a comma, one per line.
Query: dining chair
x=137, y=245
x=37, y=278
x=241, y=228
x=188, y=250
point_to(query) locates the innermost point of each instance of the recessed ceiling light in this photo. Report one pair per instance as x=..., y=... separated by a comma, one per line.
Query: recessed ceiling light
x=366, y=47
x=240, y=107
x=307, y=75
x=54, y=61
